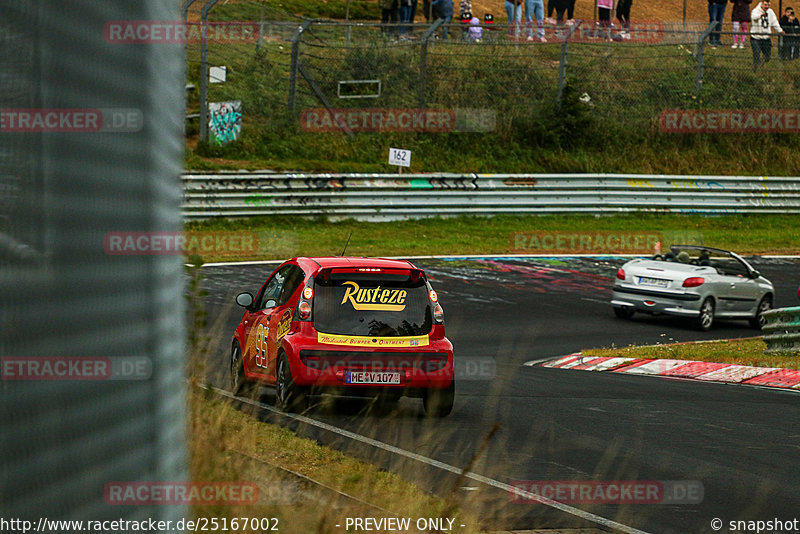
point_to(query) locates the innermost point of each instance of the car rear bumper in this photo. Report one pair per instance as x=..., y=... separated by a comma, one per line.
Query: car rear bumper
x=657, y=302
x=328, y=366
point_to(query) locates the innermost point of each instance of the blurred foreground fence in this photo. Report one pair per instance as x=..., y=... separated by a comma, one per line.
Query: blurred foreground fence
x=392, y=196
x=782, y=329
x=291, y=65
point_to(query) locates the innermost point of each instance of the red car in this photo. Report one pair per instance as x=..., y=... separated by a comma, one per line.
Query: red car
x=347, y=326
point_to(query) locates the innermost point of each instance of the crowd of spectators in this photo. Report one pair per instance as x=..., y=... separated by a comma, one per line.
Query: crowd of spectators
x=398, y=16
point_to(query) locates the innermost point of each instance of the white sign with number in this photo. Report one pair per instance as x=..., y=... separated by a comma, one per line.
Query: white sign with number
x=398, y=156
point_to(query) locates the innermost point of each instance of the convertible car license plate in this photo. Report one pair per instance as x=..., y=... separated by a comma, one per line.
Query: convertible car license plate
x=372, y=377
x=655, y=282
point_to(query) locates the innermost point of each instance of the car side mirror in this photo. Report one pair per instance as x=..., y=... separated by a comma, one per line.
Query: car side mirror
x=754, y=274
x=270, y=304
x=245, y=300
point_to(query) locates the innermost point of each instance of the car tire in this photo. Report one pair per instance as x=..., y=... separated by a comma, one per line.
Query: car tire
x=239, y=383
x=289, y=397
x=623, y=312
x=765, y=304
x=705, y=320
x=439, y=402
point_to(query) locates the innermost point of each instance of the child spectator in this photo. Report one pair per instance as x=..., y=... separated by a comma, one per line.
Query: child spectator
x=475, y=33
x=716, y=14
x=791, y=41
x=389, y=12
x=740, y=16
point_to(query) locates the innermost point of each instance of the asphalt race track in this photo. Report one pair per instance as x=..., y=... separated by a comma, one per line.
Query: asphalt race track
x=741, y=442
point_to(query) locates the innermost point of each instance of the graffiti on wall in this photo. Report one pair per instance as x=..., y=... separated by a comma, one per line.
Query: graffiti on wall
x=225, y=122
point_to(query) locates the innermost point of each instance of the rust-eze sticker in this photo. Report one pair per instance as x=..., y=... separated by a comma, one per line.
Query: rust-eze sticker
x=376, y=299
x=369, y=341
x=284, y=324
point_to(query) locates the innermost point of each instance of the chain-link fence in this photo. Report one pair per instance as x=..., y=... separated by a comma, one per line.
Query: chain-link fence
x=351, y=77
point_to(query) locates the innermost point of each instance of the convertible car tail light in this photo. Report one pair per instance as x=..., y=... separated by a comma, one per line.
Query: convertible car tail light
x=694, y=281
x=621, y=274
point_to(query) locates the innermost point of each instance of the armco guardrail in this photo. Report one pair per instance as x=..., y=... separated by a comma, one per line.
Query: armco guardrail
x=782, y=329
x=393, y=196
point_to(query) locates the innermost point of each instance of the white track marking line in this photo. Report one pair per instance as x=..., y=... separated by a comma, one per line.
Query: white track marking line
x=441, y=465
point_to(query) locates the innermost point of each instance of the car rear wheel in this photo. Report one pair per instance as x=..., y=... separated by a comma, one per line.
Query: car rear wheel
x=289, y=397
x=439, y=402
x=706, y=318
x=623, y=312
x=765, y=304
x=239, y=383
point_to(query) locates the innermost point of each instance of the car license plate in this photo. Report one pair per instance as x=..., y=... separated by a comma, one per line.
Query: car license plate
x=372, y=377
x=655, y=282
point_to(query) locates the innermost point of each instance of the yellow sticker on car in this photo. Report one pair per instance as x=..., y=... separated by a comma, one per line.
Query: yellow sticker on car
x=374, y=299
x=369, y=341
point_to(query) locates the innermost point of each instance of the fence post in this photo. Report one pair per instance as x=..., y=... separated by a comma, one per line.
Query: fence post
x=562, y=64
x=423, y=62
x=701, y=43
x=295, y=58
x=204, y=69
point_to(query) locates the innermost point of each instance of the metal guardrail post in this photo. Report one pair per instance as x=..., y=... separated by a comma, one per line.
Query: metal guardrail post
x=701, y=43
x=562, y=64
x=782, y=329
x=204, y=69
x=423, y=62
x=295, y=58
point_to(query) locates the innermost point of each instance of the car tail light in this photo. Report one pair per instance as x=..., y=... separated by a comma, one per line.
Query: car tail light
x=304, y=310
x=694, y=281
x=438, y=314
x=621, y=274
x=308, y=293
x=433, y=296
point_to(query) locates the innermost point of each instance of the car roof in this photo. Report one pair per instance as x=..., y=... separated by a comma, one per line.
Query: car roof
x=352, y=261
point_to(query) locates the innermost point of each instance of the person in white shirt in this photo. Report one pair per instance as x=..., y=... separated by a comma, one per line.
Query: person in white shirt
x=762, y=21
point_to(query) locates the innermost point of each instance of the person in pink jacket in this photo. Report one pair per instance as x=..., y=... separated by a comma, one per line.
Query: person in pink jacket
x=604, y=16
x=740, y=17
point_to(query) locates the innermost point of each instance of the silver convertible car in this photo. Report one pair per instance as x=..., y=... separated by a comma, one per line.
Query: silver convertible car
x=697, y=282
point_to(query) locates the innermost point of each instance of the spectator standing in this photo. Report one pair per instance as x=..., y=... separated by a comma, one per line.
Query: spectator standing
x=465, y=15
x=624, y=17
x=405, y=17
x=740, y=17
x=791, y=41
x=604, y=17
x=535, y=9
x=762, y=21
x=475, y=33
x=716, y=14
x=514, y=11
x=443, y=9
x=389, y=12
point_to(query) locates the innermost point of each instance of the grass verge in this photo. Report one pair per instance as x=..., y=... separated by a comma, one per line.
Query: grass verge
x=737, y=351
x=231, y=445
x=283, y=237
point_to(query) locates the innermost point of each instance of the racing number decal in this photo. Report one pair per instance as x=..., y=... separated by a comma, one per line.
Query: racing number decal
x=261, y=346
